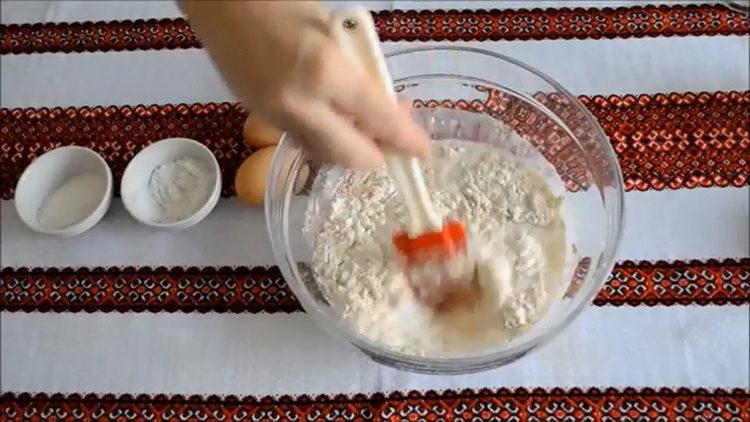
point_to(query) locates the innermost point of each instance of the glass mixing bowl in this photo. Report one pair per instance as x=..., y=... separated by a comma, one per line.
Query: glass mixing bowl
x=478, y=96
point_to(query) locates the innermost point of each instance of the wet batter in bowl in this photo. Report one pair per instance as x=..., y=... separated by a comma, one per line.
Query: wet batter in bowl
x=516, y=237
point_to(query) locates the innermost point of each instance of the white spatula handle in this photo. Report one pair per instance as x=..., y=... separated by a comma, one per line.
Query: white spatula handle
x=355, y=30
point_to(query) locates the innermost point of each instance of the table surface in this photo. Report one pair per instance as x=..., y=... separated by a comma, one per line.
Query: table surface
x=693, y=234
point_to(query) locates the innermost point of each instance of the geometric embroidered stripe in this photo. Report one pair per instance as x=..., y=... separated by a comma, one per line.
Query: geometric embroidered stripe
x=678, y=140
x=710, y=282
x=673, y=141
x=498, y=404
x=662, y=141
x=399, y=25
x=262, y=289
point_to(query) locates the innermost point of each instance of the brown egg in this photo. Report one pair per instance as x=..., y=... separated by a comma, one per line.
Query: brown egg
x=302, y=178
x=259, y=134
x=250, y=180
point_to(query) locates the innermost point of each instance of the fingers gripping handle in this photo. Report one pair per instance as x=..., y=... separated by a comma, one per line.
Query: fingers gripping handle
x=355, y=31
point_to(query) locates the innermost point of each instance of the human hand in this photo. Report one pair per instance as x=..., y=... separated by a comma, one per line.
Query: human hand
x=280, y=60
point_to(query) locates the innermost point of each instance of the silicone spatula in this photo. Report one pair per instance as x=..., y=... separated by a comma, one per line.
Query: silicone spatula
x=433, y=251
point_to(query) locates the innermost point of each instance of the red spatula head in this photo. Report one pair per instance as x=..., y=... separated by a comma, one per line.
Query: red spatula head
x=432, y=246
x=437, y=267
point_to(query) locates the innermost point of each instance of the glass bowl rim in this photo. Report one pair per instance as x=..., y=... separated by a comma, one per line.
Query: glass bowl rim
x=341, y=329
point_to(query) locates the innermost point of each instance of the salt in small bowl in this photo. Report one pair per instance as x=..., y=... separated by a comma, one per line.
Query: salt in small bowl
x=50, y=172
x=135, y=180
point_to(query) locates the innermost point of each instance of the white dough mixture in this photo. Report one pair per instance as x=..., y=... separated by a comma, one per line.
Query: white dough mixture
x=516, y=236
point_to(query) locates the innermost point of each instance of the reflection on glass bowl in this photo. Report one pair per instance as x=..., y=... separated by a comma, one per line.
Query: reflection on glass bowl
x=554, y=127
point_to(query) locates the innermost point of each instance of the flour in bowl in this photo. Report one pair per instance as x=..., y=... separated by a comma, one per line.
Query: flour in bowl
x=516, y=237
x=175, y=191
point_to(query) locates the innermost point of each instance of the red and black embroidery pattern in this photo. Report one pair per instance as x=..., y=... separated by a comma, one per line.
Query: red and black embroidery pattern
x=709, y=282
x=224, y=289
x=259, y=289
x=652, y=135
x=398, y=25
x=467, y=405
x=662, y=141
x=151, y=34
x=118, y=133
x=563, y=23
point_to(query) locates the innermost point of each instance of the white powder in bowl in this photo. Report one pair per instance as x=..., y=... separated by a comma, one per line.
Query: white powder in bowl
x=516, y=236
x=175, y=191
x=73, y=201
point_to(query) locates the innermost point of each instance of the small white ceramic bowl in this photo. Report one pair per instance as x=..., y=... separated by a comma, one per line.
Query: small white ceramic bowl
x=135, y=180
x=50, y=172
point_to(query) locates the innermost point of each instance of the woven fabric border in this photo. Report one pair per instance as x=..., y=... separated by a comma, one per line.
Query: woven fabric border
x=403, y=25
x=263, y=289
x=501, y=404
x=663, y=141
